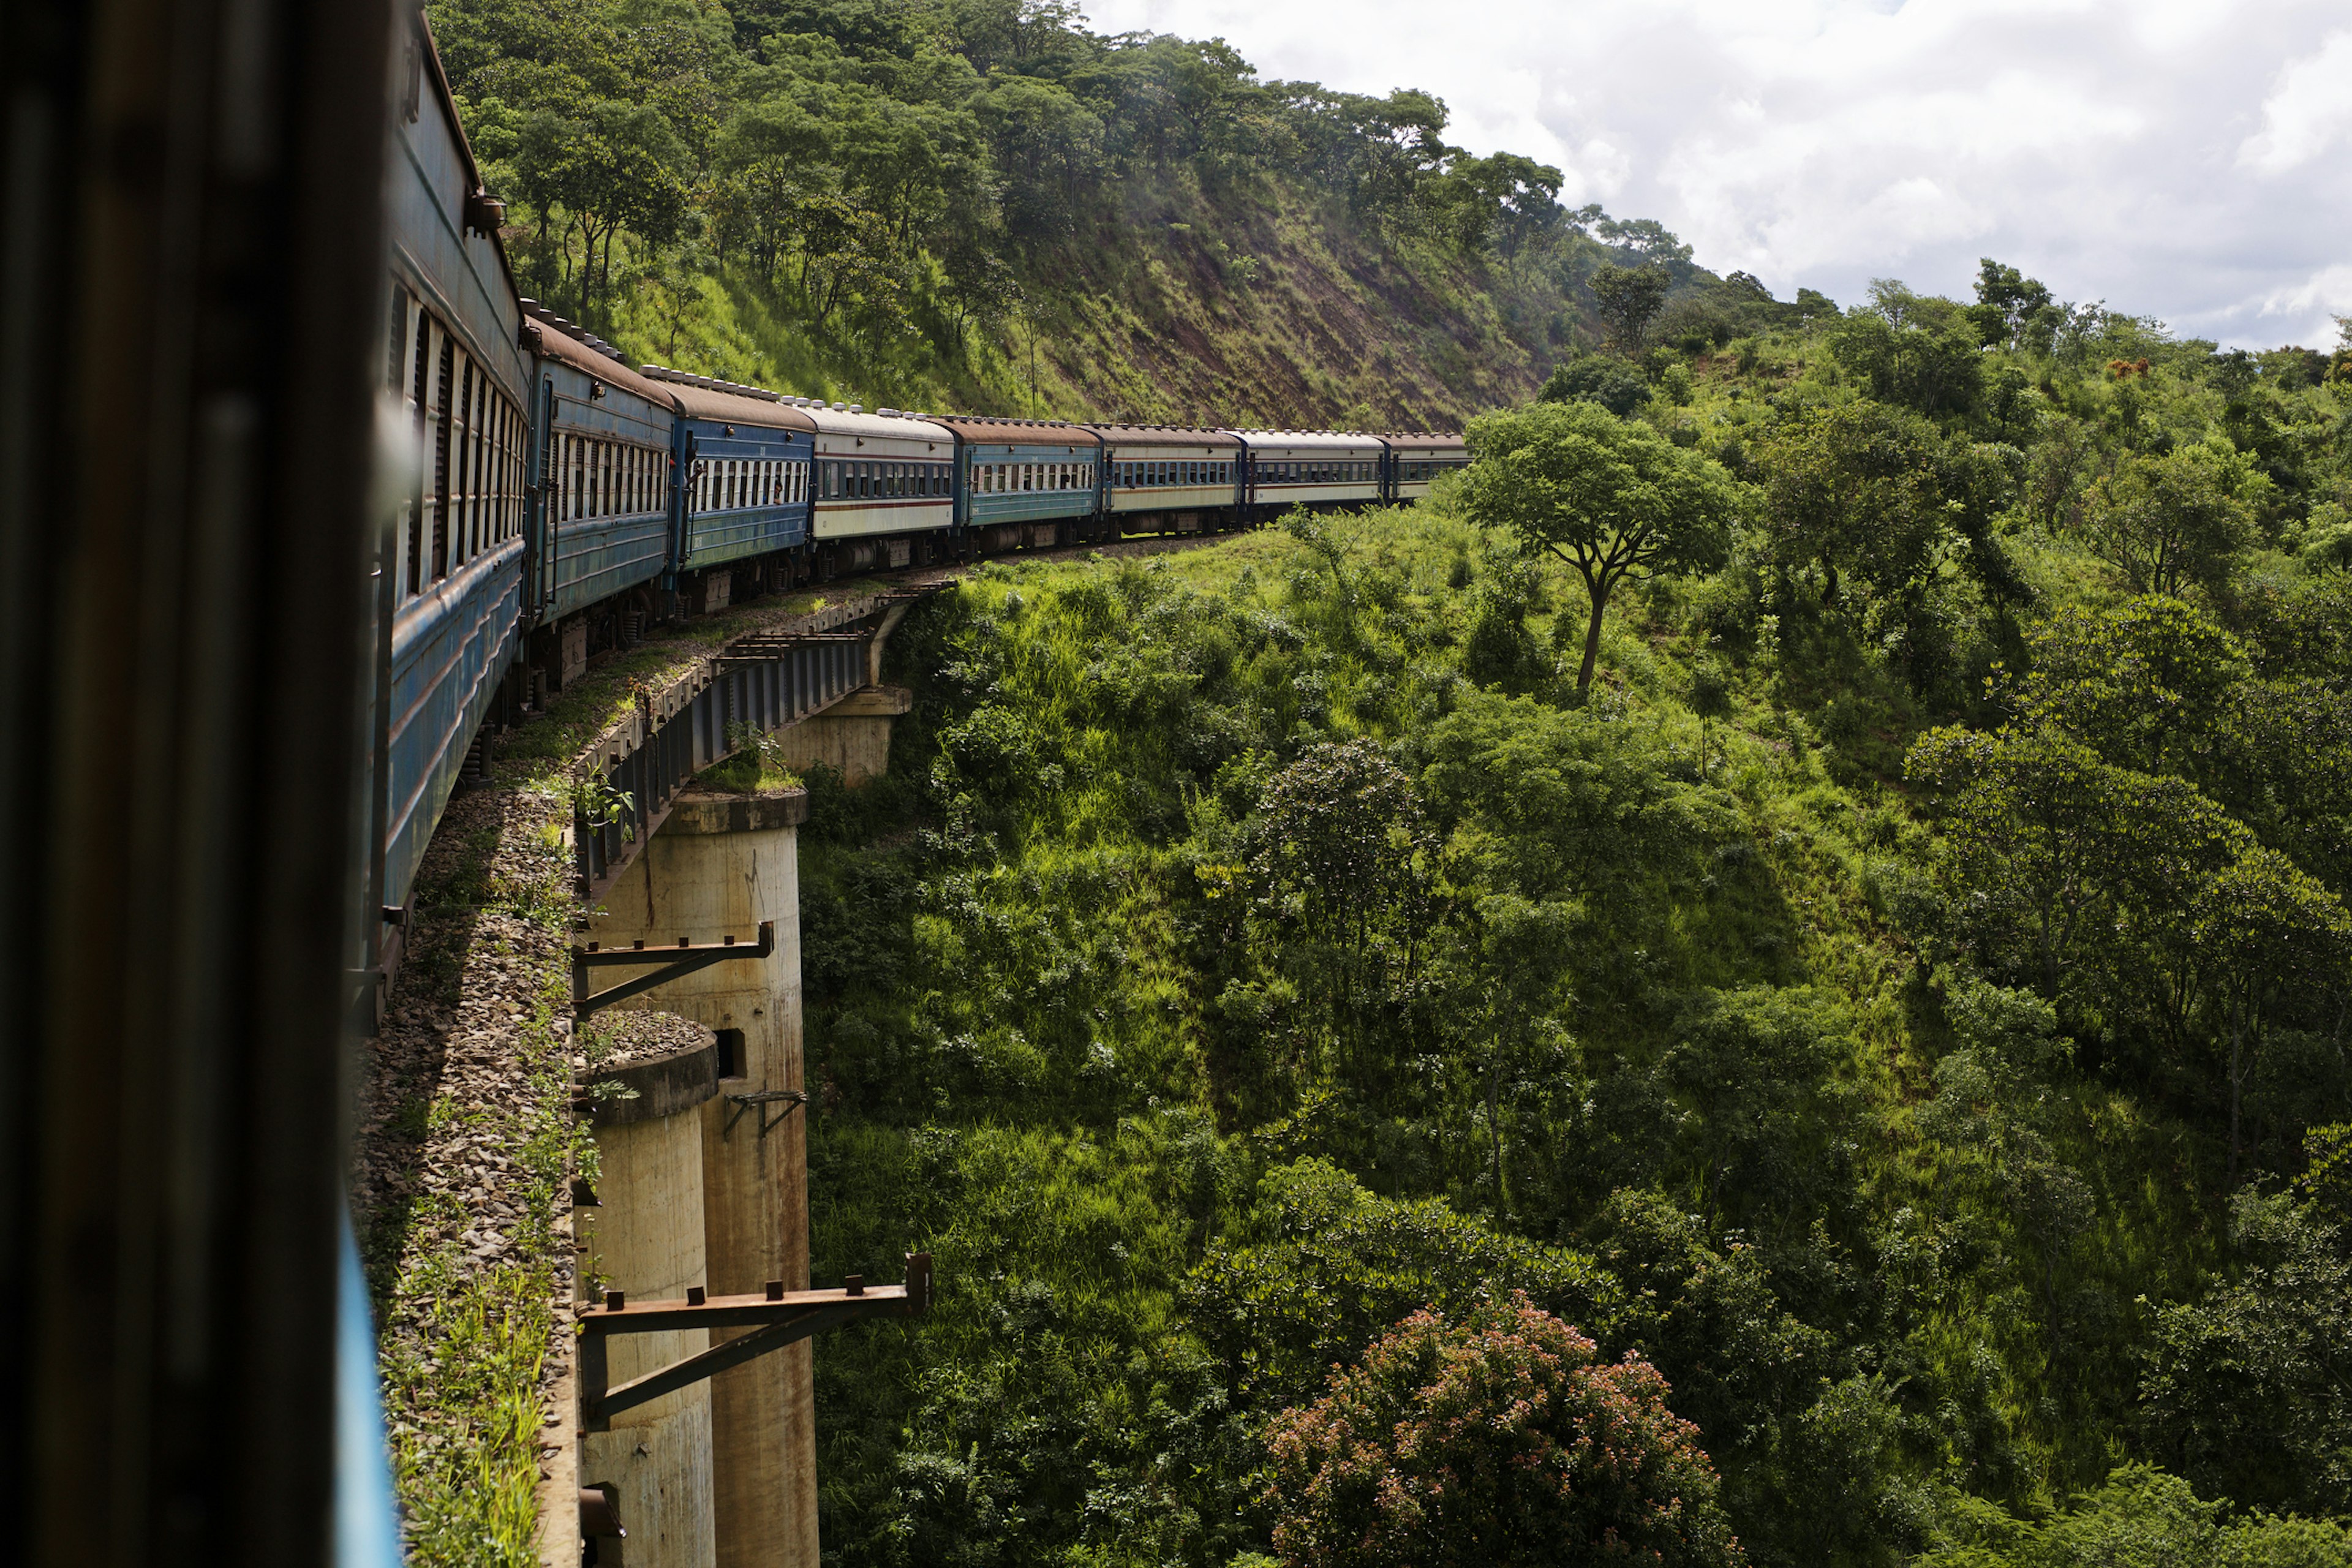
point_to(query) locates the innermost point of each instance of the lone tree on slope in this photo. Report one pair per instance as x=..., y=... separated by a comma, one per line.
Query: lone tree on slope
x=1610, y=497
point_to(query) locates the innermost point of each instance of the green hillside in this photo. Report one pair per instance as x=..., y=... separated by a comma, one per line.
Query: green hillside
x=981, y=205
x=1286, y=943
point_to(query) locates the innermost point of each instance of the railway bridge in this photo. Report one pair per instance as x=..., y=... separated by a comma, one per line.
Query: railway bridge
x=693, y=1428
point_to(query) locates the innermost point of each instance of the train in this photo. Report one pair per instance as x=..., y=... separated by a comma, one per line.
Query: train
x=554, y=501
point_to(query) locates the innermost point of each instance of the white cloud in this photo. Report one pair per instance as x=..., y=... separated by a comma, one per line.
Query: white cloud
x=2326, y=293
x=2307, y=113
x=2185, y=159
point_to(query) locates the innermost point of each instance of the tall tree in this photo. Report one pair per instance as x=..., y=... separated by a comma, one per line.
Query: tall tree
x=1628, y=299
x=1610, y=497
x=2167, y=522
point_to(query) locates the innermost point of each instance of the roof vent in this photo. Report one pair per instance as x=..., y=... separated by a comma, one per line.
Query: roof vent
x=840, y=407
x=886, y=413
x=857, y=408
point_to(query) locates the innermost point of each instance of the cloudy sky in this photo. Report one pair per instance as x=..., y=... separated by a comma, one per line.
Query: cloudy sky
x=2185, y=159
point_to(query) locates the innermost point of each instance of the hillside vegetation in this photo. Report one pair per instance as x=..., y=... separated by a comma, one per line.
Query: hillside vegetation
x=1764, y=977
x=981, y=204
x=1901, y=1000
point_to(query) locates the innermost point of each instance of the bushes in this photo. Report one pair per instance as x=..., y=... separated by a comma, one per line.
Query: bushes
x=1497, y=1437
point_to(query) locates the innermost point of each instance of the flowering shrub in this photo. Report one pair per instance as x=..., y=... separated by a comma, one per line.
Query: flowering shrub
x=1497, y=1440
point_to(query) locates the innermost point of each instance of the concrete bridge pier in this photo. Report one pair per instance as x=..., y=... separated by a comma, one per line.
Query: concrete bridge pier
x=649, y=1239
x=720, y=865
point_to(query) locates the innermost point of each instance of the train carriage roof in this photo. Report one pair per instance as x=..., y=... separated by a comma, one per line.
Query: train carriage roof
x=556, y=343
x=886, y=423
x=729, y=402
x=1165, y=435
x=1424, y=440
x=492, y=209
x=1309, y=440
x=1019, y=432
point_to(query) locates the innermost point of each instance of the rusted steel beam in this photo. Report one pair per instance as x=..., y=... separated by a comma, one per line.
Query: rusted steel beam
x=684, y=958
x=777, y=1318
x=752, y=1311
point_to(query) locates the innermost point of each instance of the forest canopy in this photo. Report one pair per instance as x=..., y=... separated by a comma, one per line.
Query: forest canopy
x=901, y=197
x=1892, y=1008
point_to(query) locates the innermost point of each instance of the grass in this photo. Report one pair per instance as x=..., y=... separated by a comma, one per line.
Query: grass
x=464, y=1343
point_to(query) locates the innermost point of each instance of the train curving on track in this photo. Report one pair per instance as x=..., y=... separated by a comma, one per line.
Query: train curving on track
x=558, y=501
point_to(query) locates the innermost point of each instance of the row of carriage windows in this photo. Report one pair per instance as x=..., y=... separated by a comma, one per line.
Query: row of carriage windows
x=610, y=478
x=1318, y=471
x=1005, y=479
x=878, y=479
x=730, y=484
x=1417, y=471
x=467, y=497
x=1174, y=471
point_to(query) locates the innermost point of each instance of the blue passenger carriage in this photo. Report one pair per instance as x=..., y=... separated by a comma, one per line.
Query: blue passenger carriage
x=884, y=489
x=1415, y=458
x=1170, y=478
x=1315, y=468
x=457, y=386
x=607, y=435
x=1020, y=483
x=744, y=457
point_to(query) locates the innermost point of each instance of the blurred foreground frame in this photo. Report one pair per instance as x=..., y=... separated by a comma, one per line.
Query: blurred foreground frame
x=189, y=269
